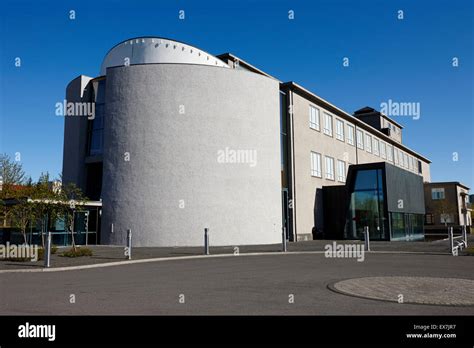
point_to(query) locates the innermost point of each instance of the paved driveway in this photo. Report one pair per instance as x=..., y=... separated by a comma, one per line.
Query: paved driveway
x=226, y=285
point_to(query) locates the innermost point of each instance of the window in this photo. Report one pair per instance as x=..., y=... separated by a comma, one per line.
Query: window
x=400, y=158
x=429, y=219
x=405, y=160
x=313, y=118
x=329, y=168
x=389, y=153
x=95, y=136
x=350, y=135
x=383, y=150
x=341, y=171
x=327, y=124
x=437, y=193
x=339, y=130
x=376, y=147
x=446, y=218
x=420, y=170
x=360, y=141
x=368, y=143
x=316, y=164
x=410, y=163
x=395, y=155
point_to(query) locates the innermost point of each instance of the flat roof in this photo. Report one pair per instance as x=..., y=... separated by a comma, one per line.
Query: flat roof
x=457, y=183
x=245, y=64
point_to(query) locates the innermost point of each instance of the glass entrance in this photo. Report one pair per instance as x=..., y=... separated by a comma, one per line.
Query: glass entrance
x=367, y=206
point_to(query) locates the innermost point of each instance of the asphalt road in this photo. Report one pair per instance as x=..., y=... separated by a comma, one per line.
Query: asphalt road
x=226, y=286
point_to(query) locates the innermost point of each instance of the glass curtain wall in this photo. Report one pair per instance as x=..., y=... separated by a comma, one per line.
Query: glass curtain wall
x=367, y=206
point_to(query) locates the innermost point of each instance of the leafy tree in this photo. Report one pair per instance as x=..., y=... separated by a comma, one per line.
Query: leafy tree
x=70, y=197
x=11, y=173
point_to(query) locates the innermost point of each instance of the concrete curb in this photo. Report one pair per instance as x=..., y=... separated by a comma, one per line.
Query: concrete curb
x=175, y=258
x=331, y=286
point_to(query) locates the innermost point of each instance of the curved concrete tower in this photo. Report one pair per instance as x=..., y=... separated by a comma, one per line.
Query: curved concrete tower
x=187, y=143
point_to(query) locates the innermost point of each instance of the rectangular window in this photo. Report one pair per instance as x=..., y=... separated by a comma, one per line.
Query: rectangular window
x=383, y=150
x=400, y=158
x=395, y=155
x=420, y=170
x=313, y=118
x=327, y=124
x=437, y=193
x=341, y=171
x=350, y=135
x=429, y=219
x=405, y=160
x=446, y=218
x=389, y=153
x=329, y=168
x=410, y=163
x=316, y=164
x=339, y=130
x=368, y=143
x=360, y=140
x=376, y=147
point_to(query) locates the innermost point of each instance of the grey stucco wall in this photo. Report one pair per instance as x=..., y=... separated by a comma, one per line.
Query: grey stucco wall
x=75, y=135
x=173, y=186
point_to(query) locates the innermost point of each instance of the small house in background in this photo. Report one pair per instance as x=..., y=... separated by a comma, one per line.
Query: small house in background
x=447, y=205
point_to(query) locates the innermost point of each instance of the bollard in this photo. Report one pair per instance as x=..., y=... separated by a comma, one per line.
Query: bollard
x=129, y=243
x=47, y=252
x=451, y=239
x=366, y=238
x=283, y=239
x=206, y=241
x=464, y=235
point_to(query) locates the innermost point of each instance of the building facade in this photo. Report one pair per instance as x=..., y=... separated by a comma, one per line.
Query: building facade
x=447, y=204
x=170, y=149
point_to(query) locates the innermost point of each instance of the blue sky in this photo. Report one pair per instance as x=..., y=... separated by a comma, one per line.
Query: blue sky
x=407, y=60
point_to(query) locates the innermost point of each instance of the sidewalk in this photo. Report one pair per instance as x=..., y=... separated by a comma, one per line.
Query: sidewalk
x=107, y=254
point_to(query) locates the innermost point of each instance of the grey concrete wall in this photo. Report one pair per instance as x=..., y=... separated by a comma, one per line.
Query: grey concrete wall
x=75, y=135
x=173, y=186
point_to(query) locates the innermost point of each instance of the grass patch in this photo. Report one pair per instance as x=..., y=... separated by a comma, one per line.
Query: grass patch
x=470, y=251
x=78, y=252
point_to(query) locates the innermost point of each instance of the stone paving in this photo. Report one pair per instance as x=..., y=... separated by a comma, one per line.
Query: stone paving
x=418, y=290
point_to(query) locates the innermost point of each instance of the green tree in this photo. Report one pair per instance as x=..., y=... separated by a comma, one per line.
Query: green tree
x=22, y=212
x=70, y=198
x=11, y=173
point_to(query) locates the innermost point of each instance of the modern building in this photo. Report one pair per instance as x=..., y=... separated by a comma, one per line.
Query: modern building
x=182, y=140
x=447, y=204
x=386, y=199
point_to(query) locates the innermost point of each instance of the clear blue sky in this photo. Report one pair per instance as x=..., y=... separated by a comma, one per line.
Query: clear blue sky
x=407, y=60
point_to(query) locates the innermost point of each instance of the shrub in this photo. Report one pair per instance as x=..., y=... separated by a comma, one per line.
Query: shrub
x=470, y=251
x=78, y=252
x=54, y=249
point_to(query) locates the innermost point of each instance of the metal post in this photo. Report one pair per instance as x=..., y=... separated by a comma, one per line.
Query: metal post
x=464, y=235
x=87, y=227
x=206, y=241
x=47, y=251
x=366, y=238
x=283, y=239
x=451, y=239
x=129, y=243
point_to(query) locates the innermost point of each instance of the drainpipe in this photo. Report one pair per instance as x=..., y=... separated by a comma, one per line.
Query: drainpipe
x=293, y=176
